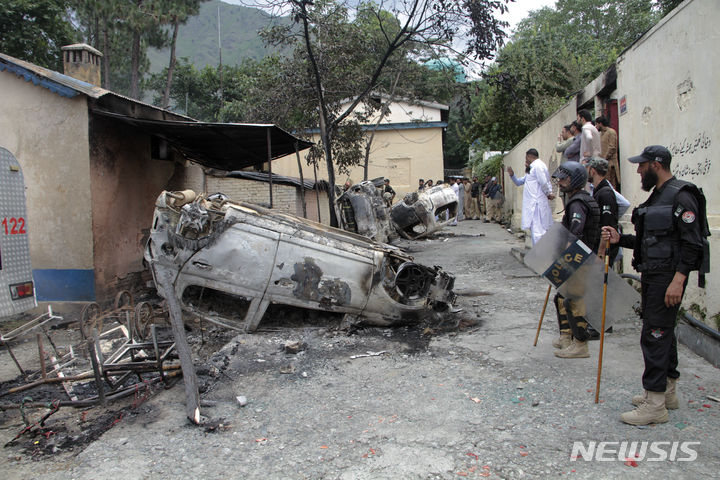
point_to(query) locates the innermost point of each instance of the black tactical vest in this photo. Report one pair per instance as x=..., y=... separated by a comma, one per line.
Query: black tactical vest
x=591, y=230
x=659, y=248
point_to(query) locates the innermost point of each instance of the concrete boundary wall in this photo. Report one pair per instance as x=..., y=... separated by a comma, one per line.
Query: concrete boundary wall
x=668, y=94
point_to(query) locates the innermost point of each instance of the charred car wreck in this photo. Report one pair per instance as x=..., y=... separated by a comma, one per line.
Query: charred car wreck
x=255, y=257
x=362, y=210
x=420, y=214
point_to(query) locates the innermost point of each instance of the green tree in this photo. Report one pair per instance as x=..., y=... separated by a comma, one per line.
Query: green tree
x=553, y=54
x=176, y=12
x=333, y=68
x=34, y=30
x=193, y=92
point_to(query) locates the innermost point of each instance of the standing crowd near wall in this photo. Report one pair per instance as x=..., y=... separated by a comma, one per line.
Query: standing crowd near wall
x=650, y=146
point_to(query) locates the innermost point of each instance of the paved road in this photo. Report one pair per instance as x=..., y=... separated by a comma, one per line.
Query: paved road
x=477, y=401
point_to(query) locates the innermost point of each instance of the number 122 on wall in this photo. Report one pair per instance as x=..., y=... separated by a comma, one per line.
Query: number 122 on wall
x=14, y=226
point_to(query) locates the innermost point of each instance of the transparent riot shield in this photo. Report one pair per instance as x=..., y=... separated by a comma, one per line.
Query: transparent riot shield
x=578, y=274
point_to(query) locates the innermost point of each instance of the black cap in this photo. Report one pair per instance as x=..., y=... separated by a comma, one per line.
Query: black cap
x=653, y=153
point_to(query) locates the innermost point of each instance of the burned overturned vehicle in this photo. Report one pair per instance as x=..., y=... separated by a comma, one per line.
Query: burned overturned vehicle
x=420, y=214
x=253, y=257
x=362, y=210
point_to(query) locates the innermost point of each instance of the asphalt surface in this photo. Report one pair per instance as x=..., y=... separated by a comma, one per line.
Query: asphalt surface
x=466, y=396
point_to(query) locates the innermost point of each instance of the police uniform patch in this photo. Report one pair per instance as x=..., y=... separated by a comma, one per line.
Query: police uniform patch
x=576, y=215
x=678, y=210
x=606, y=208
x=688, y=217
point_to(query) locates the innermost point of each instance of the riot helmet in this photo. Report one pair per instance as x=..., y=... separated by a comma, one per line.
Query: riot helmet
x=577, y=173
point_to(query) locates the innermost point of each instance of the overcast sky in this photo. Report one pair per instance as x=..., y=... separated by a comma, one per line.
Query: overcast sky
x=517, y=10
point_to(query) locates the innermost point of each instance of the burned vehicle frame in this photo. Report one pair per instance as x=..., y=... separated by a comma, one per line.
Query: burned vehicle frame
x=256, y=257
x=362, y=209
x=421, y=214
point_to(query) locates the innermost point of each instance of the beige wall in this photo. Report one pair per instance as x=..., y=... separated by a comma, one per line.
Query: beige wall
x=669, y=79
x=48, y=134
x=404, y=112
x=403, y=156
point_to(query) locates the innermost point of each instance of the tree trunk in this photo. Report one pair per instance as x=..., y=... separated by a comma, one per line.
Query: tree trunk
x=135, y=66
x=326, y=138
x=302, y=182
x=171, y=66
x=106, y=55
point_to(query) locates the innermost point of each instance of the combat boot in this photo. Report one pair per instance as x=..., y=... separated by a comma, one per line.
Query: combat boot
x=652, y=410
x=577, y=349
x=563, y=341
x=671, y=399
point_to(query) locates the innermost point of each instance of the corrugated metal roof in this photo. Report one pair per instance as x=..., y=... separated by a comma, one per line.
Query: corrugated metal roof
x=309, y=184
x=224, y=146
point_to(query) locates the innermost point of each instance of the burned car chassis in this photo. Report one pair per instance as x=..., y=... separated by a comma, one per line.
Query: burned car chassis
x=362, y=210
x=260, y=257
x=421, y=214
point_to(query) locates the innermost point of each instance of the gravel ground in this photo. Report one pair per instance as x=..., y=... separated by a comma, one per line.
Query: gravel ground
x=443, y=401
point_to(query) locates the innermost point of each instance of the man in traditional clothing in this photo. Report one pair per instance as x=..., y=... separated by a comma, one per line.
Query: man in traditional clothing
x=536, y=214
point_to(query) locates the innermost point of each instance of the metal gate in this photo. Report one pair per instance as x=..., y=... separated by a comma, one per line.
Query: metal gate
x=17, y=290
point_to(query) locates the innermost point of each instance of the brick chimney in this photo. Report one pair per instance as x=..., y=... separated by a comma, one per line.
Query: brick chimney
x=82, y=61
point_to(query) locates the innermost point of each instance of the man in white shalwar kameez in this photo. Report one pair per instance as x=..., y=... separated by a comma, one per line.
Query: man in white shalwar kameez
x=536, y=214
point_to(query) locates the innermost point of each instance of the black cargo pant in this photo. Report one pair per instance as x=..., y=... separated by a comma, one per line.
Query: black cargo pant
x=657, y=339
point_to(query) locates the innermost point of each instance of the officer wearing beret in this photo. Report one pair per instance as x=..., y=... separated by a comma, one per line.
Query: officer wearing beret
x=668, y=244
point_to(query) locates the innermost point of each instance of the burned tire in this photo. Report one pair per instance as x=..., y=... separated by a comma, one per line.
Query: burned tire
x=123, y=299
x=143, y=320
x=412, y=280
x=90, y=318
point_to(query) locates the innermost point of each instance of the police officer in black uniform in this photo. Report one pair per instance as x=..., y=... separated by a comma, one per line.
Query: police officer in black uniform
x=582, y=219
x=604, y=195
x=670, y=228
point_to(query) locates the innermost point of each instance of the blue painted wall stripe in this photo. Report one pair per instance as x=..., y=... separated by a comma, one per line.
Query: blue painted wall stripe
x=57, y=285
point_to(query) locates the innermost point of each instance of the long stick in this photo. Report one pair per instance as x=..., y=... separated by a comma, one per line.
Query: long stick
x=542, y=315
x=602, y=323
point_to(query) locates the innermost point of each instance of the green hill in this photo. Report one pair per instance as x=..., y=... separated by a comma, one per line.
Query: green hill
x=198, y=38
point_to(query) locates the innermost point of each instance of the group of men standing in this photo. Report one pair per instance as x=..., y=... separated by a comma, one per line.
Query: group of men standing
x=476, y=200
x=669, y=242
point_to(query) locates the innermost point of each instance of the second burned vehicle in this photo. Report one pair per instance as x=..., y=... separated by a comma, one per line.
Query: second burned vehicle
x=420, y=214
x=361, y=210
x=248, y=258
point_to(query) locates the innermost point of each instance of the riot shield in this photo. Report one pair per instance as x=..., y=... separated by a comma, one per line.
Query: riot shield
x=578, y=274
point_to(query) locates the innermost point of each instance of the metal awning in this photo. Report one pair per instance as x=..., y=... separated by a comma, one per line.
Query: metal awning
x=224, y=146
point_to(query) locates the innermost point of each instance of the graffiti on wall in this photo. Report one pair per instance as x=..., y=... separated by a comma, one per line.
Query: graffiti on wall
x=691, y=155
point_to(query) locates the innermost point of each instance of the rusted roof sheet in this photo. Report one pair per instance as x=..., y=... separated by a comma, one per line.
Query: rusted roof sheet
x=225, y=146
